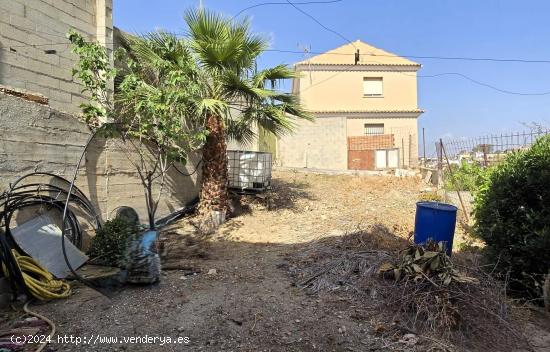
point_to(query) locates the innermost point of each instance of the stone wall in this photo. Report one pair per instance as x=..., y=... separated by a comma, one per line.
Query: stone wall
x=35, y=53
x=35, y=137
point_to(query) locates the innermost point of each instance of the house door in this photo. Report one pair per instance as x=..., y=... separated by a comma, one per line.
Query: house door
x=386, y=159
x=360, y=159
x=381, y=160
x=393, y=158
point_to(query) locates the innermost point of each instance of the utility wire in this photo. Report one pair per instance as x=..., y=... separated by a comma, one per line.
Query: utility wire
x=293, y=4
x=463, y=58
x=483, y=84
x=285, y=3
x=457, y=74
x=429, y=57
x=424, y=76
x=320, y=24
x=472, y=80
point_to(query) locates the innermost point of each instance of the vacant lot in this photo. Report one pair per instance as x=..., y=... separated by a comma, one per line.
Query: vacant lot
x=235, y=290
x=305, y=207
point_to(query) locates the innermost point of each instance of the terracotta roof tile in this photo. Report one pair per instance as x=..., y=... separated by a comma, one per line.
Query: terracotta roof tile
x=408, y=111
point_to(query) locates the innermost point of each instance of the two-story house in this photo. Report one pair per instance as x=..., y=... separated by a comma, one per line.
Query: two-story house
x=365, y=103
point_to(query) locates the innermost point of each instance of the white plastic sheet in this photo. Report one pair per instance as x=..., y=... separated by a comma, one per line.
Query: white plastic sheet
x=40, y=238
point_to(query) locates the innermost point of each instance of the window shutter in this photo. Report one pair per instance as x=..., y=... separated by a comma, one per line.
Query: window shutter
x=372, y=86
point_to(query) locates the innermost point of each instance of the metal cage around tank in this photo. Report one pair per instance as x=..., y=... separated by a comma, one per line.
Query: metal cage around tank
x=249, y=170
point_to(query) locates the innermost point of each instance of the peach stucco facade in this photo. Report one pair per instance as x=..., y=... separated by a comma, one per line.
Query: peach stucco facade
x=345, y=91
x=347, y=97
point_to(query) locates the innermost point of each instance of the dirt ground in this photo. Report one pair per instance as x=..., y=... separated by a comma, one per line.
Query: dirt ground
x=306, y=207
x=233, y=291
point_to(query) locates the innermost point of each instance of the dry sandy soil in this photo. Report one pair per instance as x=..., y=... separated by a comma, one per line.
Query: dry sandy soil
x=306, y=207
x=249, y=302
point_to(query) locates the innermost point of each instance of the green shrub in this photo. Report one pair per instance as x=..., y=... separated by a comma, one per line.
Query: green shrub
x=467, y=177
x=109, y=245
x=512, y=212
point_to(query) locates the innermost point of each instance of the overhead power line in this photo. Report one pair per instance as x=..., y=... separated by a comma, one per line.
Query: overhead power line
x=319, y=22
x=504, y=91
x=293, y=4
x=470, y=79
x=460, y=58
x=463, y=58
x=482, y=84
x=286, y=3
x=429, y=57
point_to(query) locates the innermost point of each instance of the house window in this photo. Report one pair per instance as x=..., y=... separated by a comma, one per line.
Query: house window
x=372, y=86
x=372, y=129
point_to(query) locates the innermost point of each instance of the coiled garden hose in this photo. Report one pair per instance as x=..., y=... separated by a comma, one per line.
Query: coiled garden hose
x=40, y=283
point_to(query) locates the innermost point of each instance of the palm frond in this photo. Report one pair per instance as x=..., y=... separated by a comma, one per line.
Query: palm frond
x=241, y=89
x=240, y=130
x=273, y=74
x=296, y=111
x=212, y=106
x=275, y=120
x=223, y=44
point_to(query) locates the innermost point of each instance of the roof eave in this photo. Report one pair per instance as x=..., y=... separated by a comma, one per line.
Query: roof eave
x=413, y=111
x=305, y=63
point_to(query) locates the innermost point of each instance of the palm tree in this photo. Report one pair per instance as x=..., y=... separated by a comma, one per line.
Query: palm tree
x=235, y=95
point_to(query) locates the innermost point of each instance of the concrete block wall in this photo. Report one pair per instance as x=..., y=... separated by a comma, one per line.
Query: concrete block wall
x=321, y=144
x=30, y=27
x=35, y=137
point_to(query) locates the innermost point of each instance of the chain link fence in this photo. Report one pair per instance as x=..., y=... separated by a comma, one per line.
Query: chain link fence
x=460, y=164
x=487, y=150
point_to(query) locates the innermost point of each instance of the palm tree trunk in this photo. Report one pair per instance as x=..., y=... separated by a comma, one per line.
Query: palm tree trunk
x=213, y=195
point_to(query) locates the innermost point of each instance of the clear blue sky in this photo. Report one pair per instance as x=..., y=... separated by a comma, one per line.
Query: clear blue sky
x=454, y=107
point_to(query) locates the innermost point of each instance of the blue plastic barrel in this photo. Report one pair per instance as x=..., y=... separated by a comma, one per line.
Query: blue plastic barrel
x=435, y=221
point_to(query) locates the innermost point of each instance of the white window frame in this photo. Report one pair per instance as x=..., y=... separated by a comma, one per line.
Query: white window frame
x=375, y=92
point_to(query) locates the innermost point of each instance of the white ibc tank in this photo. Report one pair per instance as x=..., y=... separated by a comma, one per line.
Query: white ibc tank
x=249, y=170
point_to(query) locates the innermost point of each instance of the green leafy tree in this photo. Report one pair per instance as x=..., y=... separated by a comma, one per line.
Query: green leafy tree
x=235, y=95
x=150, y=110
x=95, y=71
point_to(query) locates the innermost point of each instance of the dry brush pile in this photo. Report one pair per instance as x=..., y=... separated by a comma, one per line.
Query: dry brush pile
x=417, y=290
